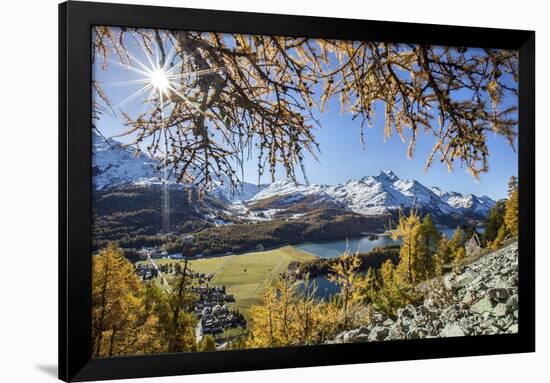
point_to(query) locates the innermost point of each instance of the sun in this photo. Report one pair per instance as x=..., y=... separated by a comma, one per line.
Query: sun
x=162, y=78
x=158, y=79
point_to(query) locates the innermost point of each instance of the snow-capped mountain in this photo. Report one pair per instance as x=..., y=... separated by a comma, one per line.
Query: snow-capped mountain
x=375, y=195
x=468, y=202
x=115, y=165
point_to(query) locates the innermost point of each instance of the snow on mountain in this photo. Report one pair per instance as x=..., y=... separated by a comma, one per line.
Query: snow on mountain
x=290, y=189
x=374, y=195
x=113, y=164
x=224, y=190
x=468, y=202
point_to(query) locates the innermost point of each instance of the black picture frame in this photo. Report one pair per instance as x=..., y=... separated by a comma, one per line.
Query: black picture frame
x=75, y=359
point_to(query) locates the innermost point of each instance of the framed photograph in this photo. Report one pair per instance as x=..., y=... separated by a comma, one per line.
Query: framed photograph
x=245, y=191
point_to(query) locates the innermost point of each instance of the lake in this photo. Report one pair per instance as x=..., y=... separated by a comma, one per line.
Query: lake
x=324, y=288
x=332, y=249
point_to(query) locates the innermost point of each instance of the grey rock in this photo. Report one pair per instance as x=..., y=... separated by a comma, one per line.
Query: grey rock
x=500, y=310
x=429, y=313
x=452, y=330
x=406, y=312
x=394, y=333
x=481, y=300
x=378, y=333
x=484, y=305
x=377, y=318
x=512, y=303
x=468, y=298
x=464, y=280
x=498, y=294
x=448, y=281
x=513, y=329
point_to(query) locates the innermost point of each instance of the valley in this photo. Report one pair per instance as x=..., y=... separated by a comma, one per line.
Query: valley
x=242, y=241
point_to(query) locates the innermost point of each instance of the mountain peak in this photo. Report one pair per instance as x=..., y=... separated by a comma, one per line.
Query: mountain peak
x=389, y=174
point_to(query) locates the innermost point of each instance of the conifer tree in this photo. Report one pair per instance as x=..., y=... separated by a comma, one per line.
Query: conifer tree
x=512, y=185
x=307, y=310
x=501, y=236
x=427, y=240
x=207, y=343
x=394, y=291
x=121, y=321
x=181, y=322
x=444, y=251
x=494, y=221
x=456, y=245
x=511, y=216
x=406, y=232
x=345, y=273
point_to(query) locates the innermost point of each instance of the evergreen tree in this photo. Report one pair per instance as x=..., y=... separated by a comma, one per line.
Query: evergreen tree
x=501, y=236
x=122, y=323
x=494, y=221
x=511, y=216
x=407, y=233
x=456, y=245
x=427, y=240
x=444, y=251
x=207, y=343
x=345, y=273
x=180, y=323
x=512, y=185
x=394, y=291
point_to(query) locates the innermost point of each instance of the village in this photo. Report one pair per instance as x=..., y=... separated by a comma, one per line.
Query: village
x=211, y=309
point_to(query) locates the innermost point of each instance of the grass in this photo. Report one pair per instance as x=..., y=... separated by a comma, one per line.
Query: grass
x=246, y=276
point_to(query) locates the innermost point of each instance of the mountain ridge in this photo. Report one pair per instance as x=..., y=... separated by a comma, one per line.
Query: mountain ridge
x=115, y=165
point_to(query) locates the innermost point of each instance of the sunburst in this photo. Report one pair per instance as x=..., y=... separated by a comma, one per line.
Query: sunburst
x=159, y=77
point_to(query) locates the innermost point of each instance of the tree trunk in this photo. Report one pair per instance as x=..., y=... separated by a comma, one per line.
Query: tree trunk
x=112, y=342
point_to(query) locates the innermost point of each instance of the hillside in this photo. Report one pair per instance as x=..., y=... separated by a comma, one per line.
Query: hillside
x=481, y=299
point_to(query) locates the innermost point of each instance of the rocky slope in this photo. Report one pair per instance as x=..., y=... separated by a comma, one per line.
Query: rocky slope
x=482, y=299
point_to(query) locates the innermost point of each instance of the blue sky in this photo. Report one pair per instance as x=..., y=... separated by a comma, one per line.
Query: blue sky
x=342, y=156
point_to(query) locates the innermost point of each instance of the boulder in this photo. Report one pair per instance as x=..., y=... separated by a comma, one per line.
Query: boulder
x=500, y=310
x=512, y=303
x=499, y=294
x=484, y=305
x=468, y=298
x=378, y=333
x=513, y=329
x=388, y=322
x=452, y=330
x=451, y=313
x=406, y=312
x=429, y=313
x=464, y=280
x=448, y=281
